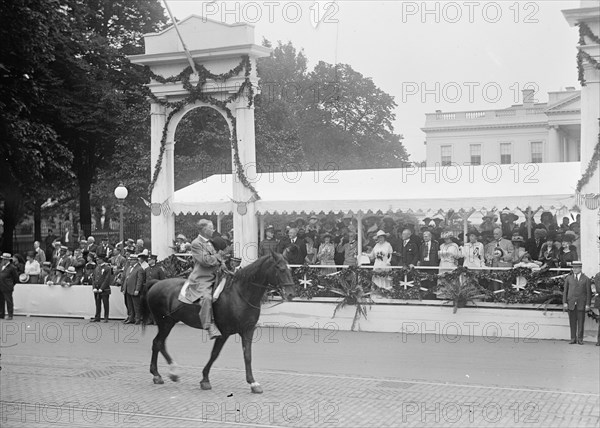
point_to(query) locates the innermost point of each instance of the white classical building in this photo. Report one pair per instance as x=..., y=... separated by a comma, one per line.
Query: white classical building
x=524, y=133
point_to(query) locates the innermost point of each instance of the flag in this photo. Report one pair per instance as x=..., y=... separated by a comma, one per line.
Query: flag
x=145, y=201
x=166, y=209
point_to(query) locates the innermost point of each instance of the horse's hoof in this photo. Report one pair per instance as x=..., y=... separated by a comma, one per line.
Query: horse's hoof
x=158, y=380
x=205, y=385
x=174, y=377
x=257, y=389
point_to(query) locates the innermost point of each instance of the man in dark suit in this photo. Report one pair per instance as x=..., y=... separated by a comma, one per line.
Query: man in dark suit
x=67, y=239
x=428, y=256
x=101, y=286
x=104, y=247
x=8, y=278
x=136, y=278
x=577, y=297
x=534, y=245
x=407, y=250
x=49, y=242
x=293, y=257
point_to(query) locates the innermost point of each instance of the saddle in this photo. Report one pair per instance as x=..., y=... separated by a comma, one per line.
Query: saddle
x=191, y=297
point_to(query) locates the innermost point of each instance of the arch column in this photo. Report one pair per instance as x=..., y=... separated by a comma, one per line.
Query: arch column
x=589, y=13
x=245, y=226
x=163, y=225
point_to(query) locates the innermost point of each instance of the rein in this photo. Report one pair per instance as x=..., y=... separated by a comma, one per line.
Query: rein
x=268, y=287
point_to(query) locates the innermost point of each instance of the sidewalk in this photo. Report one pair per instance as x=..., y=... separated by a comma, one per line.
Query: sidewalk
x=310, y=377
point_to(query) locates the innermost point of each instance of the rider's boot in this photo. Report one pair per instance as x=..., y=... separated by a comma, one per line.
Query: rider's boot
x=206, y=319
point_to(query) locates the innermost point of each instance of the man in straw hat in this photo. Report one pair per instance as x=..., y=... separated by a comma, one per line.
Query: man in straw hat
x=70, y=277
x=8, y=278
x=136, y=278
x=577, y=298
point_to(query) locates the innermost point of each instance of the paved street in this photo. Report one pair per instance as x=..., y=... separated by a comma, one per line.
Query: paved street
x=67, y=372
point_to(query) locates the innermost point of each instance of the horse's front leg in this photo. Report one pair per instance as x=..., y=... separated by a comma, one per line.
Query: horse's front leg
x=247, y=348
x=219, y=342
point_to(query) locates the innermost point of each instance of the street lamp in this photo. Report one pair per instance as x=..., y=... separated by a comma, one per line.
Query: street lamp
x=121, y=194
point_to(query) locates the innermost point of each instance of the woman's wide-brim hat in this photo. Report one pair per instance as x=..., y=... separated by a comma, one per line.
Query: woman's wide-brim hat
x=491, y=215
x=143, y=254
x=473, y=232
x=181, y=236
x=6, y=256
x=326, y=235
x=23, y=277
x=447, y=234
x=381, y=233
x=517, y=239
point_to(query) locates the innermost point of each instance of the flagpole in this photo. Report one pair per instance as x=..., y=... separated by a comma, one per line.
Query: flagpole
x=187, y=53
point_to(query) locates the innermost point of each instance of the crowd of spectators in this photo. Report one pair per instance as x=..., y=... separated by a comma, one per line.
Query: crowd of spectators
x=498, y=241
x=127, y=265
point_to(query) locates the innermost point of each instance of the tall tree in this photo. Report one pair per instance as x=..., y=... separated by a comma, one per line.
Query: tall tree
x=99, y=83
x=31, y=155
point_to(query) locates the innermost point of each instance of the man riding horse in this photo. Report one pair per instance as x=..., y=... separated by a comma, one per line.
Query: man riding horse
x=207, y=262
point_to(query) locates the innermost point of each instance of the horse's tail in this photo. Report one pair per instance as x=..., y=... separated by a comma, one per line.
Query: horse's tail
x=144, y=306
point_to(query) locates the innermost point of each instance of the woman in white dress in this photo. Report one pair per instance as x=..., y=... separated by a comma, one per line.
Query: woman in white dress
x=449, y=253
x=382, y=254
x=326, y=254
x=473, y=251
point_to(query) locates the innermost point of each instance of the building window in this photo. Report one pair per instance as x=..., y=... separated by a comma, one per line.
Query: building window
x=446, y=155
x=475, y=154
x=505, y=153
x=536, y=152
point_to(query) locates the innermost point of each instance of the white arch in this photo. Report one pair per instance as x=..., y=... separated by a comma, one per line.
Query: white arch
x=176, y=118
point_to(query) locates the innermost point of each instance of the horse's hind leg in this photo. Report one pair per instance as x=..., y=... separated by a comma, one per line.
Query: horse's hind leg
x=219, y=342
x=158, y=345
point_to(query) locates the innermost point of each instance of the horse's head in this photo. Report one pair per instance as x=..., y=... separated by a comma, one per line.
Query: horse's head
x=281, y=277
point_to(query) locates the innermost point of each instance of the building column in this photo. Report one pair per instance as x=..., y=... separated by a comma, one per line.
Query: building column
x=553, y=144
x=163, y=225
x=245, y=224
x=359, y=236
x=589, y=12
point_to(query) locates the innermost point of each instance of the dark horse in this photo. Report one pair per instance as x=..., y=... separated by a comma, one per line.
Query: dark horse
x=236, y=311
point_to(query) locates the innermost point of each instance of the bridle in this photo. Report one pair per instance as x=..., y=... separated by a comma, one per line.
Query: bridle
x=267, y=287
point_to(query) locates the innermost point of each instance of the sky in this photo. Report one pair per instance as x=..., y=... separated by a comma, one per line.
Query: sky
x=429, y=55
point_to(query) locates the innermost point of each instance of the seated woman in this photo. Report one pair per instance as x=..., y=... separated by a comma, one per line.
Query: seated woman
x=549, y=253
x=326, y=254
x=568, y=253
x=472, y=251
x=518, y=249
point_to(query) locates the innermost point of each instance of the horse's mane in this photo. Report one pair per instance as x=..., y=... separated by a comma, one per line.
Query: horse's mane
x=250, y=272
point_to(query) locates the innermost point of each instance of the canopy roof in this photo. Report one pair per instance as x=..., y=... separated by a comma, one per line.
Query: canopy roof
x=413, y=189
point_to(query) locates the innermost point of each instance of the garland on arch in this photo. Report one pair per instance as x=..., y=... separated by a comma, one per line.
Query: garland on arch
x=195, y=93
x=592, y=165
x=585, y=31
